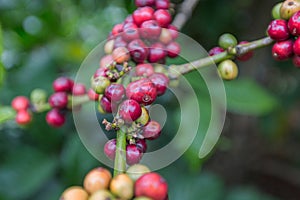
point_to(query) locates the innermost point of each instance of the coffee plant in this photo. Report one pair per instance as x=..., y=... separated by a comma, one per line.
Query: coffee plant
x=142, y=63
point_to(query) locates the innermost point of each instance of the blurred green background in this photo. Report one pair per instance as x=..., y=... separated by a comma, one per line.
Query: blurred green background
x=257, y=157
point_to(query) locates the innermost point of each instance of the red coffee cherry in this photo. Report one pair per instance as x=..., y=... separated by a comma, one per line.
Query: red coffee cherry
x=130, y=110
x=282, y=50
x=142, y=3
x=156, y=53
x=107, y=105
x=118, y=28
x=110, y=149
x=294, y=24
x=144, y=70
x=161, y=82
x=79, y=89
x=296, y=61
x=128, y=19
x=143, y=91
x=150, y=30
x=215, y=51
x=20, y=103
x=55, y=118
x=115, y=92
x=106, y=61
x=162, y=4
x=138, y=50
x=245, y=56
x=296, y=47
x=174, y=31
x=152, y=130
x=120, y=55
x=93, y=95
x=142, y=14
x=130, y=34
x=62, y=84
x=133, y=154
x=129, y=25
x=278, y=30
x=58, y=100
x=23, y=117
x=163, y=17
x=142, y=145
x=173, y=49
x=119, y=42
x=151, y=185
x=101, y=72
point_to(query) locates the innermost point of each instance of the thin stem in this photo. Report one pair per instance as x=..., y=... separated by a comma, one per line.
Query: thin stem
x=120, y=159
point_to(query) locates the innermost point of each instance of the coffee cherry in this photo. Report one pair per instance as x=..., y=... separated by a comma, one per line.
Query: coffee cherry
x=150, y=30
x=118, y=28
x=142, y=14
x=115, y=92
x=144, y=118
x=141, y=144
x=136, y=171
x=106, y=61
x=227, y=40
x=97, y=179
x=162, y=4
x=294, y=24
x=120, y=55
x=130, y=34
x=151, y=185
x=296, y=47
x=62, y=84
x=278, y=30
x=130, y=110
x=99, y=84
x=143, y=91
x=93, y=95
x=245, y=56
x=173, y=49
x=122, y=186
x=142, y=3
x=58, y=100
x=55, y=118
x=215, y=51
x=133, y=154
x=110, y=149
x=174, y=31
x=74, y=193
x=101, y=72
x=138, y=50
x=152, y=130
x=102, y=195
x=228, y=70
x=23, y=117
x=109, y=46
x=38, y=96
x=144, y=70
x=276, y=11
x=119, y=42
x=156, y=53
x=289, y=8
x=165, y=36
x=142, y=198
x=79, y=89
x=296, y=61
x=20, y=103
x=161, y=82
x=283, y=50
x=129, y=25
x=163, y=17
x=106, y=104
x=128, y=19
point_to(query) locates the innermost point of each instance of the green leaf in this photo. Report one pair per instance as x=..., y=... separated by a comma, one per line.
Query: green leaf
x=245, y=96
x=1, y=40
x=2, y=69
x=6, y=113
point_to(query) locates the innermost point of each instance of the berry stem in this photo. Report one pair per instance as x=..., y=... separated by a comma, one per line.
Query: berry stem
x=120, y=159
x=176, y=70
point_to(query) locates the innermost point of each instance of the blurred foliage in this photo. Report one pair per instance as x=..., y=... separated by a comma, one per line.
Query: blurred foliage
x=45, y=39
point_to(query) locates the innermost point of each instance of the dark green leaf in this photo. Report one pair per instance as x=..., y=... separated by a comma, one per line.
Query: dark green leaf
x=6, y=113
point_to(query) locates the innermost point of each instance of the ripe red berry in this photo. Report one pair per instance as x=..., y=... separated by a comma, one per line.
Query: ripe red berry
x=130, y=110
x=62, y=84
x=161, y=82
x=23, y=117
x=151, y=185
x=58, y=100
x=143, y=91
x=129, y=25
x=296, y=46
x=106, y=61
x=215, y=51
x=110, y=149
x=130, y=34
x=150, y=30
x=144, y=70
x=115, y=92
x=152, y=130
x=245, y=56
x=296, y=61
x=78, y=89
x=156, y=53
x=55, y=118
x=118, y=28
x=93, y=95
x=119, y=42
x=20, y=103
x=142, y=145
x=278, y=30
x=294, y=24
x=128, y=19
x=138, y=50
x=133, y=154
x=107, y=105
x=142, y=14
x=162, y=4
x=101, y=72
x=173, y=49
x=142, y=3
x=282, y=50
x=163, y=17
x=174, y=31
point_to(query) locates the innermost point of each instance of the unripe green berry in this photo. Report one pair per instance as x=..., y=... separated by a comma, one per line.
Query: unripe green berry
x=228, y=70
x=100, y=109
x=144, y=118
x=136, y=171
x=227, y=40
x=102, y=195
x=289, y=8
x=99, y=84
x=38, y=96
x=276, y=11
x=142, y=198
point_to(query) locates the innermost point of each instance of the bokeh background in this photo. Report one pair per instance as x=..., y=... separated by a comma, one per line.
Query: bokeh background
x=257, y=156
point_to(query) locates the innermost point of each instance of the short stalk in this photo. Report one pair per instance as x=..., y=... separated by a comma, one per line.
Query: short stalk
x=120, y=159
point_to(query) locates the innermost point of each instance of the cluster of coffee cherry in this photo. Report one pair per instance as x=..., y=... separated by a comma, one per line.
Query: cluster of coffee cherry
x=285, y=30
x=138, y=183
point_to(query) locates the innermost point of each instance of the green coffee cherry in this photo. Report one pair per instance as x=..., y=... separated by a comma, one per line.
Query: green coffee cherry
x=100, y=109
x=136, y=171
x=289, y=8
x=38, y=96
x=99, y=84
x=227, y=40
x=144, y=118
x=142, y=198
x=228, y=70
x=102, y=195
x=276, y=11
